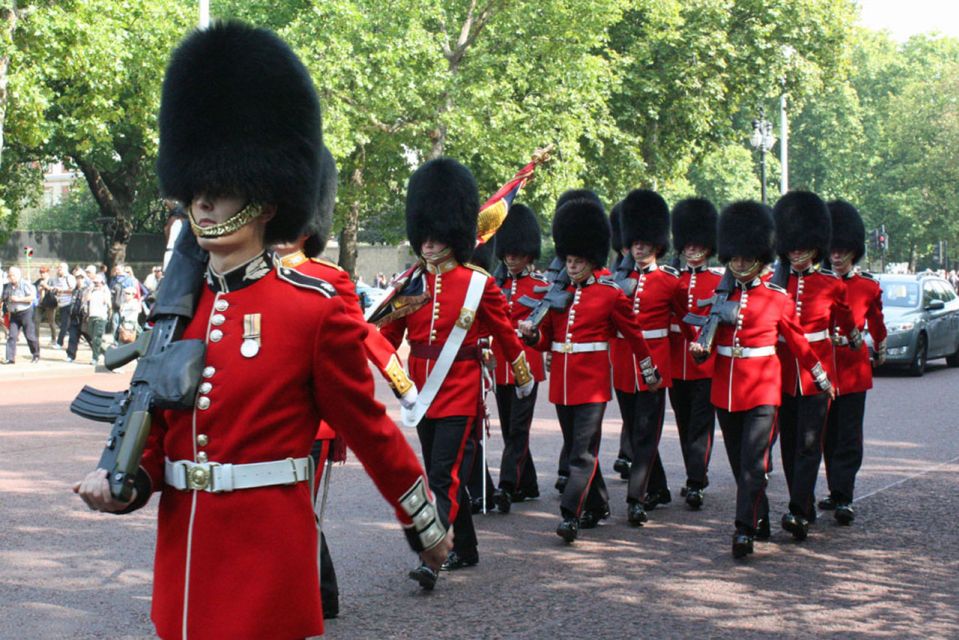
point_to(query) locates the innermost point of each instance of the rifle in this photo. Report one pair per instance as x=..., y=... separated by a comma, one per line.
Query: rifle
x=166, y=375
x=557, y=297
x=781, y=274
x=721, y=311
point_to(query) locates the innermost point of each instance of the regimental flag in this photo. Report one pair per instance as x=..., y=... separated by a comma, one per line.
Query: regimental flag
x=494, y=210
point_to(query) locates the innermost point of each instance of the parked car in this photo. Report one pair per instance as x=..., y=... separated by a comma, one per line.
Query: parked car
x=922, y=315
x=369, y=295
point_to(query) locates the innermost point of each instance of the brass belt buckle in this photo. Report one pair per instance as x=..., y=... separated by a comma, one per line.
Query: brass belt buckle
x=198, y=478
x=738, y=352
x=567, y=347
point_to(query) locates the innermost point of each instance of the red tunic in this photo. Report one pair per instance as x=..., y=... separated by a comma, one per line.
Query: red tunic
x=655, y=300
x=513, y=289
x=853, y=368
x=378, y=349
x=820, y=302
x=766, y=312
x=598, y=310
x=242, y=564
x=431, y=324
x=695, y=284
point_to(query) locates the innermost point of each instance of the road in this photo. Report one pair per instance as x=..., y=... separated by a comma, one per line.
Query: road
x=68, y=573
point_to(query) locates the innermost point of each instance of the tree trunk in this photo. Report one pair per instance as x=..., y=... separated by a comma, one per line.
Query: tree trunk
x=348, y=250
x=115, y=214
x=8, y=17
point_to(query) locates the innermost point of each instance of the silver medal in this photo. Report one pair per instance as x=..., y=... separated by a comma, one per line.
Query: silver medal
x=249, y=348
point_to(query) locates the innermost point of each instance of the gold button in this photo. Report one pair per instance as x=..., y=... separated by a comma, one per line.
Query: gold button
x=217, y=319
x=203, y=403
x=221, y=305
x=205, y=387
x=208, y=372
x=216, y=335
x=202, y=440
x=201, y=457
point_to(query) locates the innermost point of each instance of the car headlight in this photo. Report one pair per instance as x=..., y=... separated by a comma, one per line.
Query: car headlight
x=898, y=327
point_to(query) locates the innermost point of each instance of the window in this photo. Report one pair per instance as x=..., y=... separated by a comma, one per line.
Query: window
x=900, y=294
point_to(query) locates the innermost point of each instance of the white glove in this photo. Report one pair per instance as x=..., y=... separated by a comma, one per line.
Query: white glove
x=526, y=389
x=408, y=399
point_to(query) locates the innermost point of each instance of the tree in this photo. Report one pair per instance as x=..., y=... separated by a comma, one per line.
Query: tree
x=87, y=91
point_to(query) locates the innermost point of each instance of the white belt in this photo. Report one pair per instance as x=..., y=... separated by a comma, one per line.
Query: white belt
x=580, y=347
x=745, y=352
x=818, y=336
x=675, y=328
x=651, y=334
x=218, y=478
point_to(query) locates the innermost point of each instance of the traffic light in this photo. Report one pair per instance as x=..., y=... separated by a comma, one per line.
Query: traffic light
x=883, y=241
x=28, y=252
x=937, y=253
x=875, y=240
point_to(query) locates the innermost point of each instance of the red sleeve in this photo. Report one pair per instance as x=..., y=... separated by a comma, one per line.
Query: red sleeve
x=678, y=303
x=394, y=331
x=795, y=339
x=343, y=387
x=494, y=318
x=624, y=321
x=874, y=319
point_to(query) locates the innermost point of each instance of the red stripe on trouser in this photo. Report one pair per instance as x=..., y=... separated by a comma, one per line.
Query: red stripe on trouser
x=320, y=466
x=589, y=483
x=455, y=473
x=769, y=447
x=709, y=449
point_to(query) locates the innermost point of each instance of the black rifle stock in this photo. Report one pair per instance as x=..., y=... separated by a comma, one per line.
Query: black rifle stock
x=557, y=297
x=166, y=375
x=721, y=311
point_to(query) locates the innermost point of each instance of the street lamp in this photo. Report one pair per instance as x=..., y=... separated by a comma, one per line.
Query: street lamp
x=762, y=139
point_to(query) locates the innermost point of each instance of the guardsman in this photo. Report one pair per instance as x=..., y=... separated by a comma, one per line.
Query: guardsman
x=240, y=141
x=562, y=475
x=459, y=305
x=694, y=238
x=746, y=388
x=654, y=294
x=621, y=265
x=843, y=444
x=803, y=230
x=304, y=255
x=578, y=337
x=518, y=246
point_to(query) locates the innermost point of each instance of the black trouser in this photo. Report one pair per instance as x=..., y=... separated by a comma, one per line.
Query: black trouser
x=449, y=449
x=74, y=332
x=515, y=417
x=626, y=411
x=63, y=323
x=586, y=488
x=479, y=472
x=644, y=432
x=329, y=589
x=748, y=436
x=843, y=446
x=696, y=423
x=22, y=320
x=802, y=421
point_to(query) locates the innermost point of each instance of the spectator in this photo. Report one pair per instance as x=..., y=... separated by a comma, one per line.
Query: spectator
x=76, y=314
x=130, y=308
x=98, y=303
x=19, y=297
x=380, y=282
x=62, y=285
x=153, y=279
x=953, y=279
x=46, y=309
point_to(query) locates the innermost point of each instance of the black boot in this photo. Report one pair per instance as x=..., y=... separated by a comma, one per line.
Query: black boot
x=762, y=529
x=844, y=514
x=561, y=482
x=797, y=525
x=694, y=498
x=827, y=504
x=621, y=466
x=503, y=499
x=456, y=561
x=592, y=517
x=742, y=544
x=568, y=529
x=636, y=514
x=652, y=500
x=425, y=576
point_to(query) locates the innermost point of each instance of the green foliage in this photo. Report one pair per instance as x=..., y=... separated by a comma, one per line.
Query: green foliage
x=20, y=188
x=77, y=212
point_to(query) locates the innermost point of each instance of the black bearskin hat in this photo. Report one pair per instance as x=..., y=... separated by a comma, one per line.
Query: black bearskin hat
x=519, y=234
x=239, y=116
x=318, y=230
x=442, y=204
x=746, y=229
x=580, y=228
x=848, y=230
x=483, y=255
x=694, y=222
x=802, y=222
x=615, y=228
x=645, y=218
x=577, y=194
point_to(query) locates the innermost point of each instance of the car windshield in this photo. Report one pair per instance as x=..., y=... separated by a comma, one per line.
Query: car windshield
x=900, y=294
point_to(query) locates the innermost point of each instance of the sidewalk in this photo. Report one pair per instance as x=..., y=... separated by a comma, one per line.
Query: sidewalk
x=53, y=362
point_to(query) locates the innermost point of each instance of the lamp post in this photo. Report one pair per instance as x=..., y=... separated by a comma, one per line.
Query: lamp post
x=763, y=139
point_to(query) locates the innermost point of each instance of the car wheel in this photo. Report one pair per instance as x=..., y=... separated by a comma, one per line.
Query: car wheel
x=918, y=365
x=953, y=360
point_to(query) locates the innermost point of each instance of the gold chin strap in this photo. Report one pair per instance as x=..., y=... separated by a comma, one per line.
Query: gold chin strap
x=699, y=255
x=808, y=256
x=743, y=274
x=239, y=219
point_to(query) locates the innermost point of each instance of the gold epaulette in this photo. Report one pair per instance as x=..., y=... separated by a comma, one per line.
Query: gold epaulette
x=327, y=263
x=470, y=265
